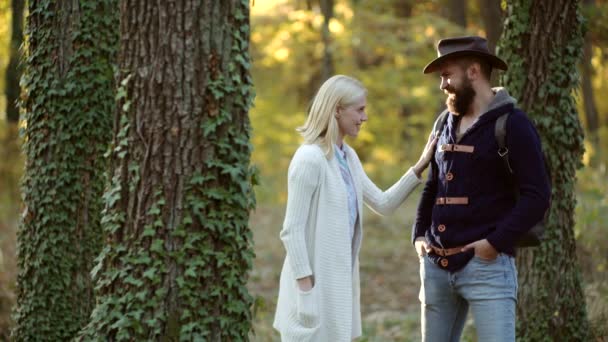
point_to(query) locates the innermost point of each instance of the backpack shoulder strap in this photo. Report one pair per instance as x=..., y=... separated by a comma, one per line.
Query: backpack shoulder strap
x=500, y=132
x=437, y=128
x=440, y=122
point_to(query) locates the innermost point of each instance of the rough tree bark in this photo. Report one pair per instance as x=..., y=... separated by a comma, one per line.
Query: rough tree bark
x=178, y=245
x=67, y=101
x=542, y=43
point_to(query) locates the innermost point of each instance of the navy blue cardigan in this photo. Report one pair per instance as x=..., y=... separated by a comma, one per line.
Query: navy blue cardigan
x=492, y=211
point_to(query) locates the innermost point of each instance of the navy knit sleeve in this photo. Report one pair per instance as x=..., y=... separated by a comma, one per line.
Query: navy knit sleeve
x=526, y=159
x=426, y=203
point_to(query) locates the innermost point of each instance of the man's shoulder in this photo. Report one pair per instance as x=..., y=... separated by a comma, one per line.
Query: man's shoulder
x=520, y=127
x=519, y=119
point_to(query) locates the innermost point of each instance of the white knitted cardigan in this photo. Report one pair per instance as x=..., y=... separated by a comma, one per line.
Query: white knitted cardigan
x=316, y=237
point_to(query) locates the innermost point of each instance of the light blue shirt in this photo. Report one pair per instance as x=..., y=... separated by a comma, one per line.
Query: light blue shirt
x=350, y=188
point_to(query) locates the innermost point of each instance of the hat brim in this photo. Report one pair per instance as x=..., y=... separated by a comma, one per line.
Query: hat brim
x=494, y=61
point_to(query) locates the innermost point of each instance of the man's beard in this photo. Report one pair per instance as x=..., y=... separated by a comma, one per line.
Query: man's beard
x=459, y=101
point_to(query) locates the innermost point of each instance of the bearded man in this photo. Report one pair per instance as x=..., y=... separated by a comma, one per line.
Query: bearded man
x=469, y=220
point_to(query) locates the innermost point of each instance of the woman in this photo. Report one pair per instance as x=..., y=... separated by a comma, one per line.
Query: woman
x=327, y=186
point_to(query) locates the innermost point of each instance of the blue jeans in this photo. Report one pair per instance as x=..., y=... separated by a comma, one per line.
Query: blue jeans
x=489, y=287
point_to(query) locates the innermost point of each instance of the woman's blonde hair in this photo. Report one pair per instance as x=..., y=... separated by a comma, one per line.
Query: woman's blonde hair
x=321, y=127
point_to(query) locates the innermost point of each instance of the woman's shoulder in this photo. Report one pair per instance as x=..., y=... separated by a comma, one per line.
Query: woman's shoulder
x=307, y=161
x=309, y=153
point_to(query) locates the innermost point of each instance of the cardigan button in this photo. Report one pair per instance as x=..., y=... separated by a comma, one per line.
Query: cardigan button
x=444, y=262
x=449, y=176
x=441, y=228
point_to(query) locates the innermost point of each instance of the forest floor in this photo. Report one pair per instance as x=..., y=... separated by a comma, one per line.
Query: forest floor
x=389, y=277
x=389, y=266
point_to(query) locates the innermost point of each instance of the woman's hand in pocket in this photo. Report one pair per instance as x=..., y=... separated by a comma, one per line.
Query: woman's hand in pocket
x=306, y=284
x=307, y=306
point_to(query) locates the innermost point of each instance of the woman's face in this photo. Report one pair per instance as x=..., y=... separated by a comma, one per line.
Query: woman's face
x=351, y=117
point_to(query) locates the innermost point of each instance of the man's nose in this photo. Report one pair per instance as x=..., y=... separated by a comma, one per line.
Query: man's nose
x=364, y=117
x=443, y=84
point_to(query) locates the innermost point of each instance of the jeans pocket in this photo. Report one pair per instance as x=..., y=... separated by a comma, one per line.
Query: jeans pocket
x=308, y=307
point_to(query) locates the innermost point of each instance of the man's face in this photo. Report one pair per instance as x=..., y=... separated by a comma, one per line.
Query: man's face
x=458, y=87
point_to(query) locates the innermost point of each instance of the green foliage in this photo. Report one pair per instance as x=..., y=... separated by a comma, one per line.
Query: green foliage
x=592, y=245
x=179, y=271
x=68, y=99
x=368, y=41
x=546, y=94
x=5, y=37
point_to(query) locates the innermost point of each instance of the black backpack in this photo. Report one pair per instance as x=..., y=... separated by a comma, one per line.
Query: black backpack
x=534, y=236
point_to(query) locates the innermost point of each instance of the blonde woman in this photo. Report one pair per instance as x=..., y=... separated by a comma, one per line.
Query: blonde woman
x=327, y=186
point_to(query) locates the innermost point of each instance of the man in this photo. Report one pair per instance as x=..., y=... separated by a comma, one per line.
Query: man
x=469, y=218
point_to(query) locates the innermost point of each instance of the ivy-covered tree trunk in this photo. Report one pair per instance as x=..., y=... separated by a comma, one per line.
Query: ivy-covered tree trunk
x=542, y=43
x=68, y=103
x=13, y=69
x=176, y=214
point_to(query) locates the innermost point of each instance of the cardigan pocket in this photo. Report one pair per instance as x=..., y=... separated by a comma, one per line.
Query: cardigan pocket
x=308, y=307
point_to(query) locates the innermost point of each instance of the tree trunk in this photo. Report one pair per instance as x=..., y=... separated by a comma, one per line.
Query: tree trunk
x=13, y=69
x=177, y=209
x=68, y=100
x=591, y=114
x=403, y=8
x=327, y=65
x=492, y=17
x=491, y=14
x=542, y=43
x=456, y=12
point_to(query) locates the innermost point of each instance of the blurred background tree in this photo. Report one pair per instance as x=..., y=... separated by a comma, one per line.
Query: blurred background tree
x=13, y=69
x=385, y=43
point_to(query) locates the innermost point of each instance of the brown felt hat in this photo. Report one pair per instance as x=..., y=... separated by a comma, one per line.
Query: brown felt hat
x=464, y=46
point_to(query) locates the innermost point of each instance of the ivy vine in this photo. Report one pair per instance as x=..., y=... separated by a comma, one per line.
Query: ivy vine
x=182, y=277
x=558, y=309
x=67, y=100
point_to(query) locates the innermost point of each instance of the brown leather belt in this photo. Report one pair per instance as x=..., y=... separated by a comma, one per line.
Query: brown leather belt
x=457, y=148
x=447, y=251
x=452, y=200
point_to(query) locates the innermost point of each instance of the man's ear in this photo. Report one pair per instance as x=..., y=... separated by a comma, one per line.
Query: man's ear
x=474, y=71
